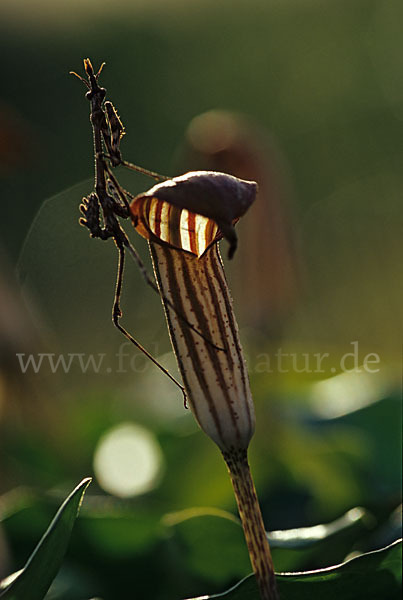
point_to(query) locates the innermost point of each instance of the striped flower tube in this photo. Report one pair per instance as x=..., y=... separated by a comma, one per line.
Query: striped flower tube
x=183, y=219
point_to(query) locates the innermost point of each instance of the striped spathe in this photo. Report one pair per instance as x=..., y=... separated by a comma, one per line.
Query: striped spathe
x=216, y=381
x=219, y=198
x=183, y=219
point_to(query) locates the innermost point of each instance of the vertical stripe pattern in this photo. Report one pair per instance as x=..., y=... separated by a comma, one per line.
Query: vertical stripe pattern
x=216, y=381
x=154, y=218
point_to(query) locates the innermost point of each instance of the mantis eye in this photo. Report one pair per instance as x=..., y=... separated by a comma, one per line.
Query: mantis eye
x=193, y=211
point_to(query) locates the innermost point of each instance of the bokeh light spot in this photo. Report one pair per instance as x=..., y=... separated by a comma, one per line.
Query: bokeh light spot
x=347, y=392
x=128, y=460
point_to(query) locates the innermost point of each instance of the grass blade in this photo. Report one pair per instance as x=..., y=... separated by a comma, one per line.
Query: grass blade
x=34, y=580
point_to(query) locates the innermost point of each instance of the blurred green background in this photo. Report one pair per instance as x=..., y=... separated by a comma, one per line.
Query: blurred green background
x=307, y=98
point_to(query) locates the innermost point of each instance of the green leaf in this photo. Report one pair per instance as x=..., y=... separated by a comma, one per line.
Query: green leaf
x=208, y=543
x=320, y=545
x=34, y=580
x=372, y=576
x=305, y=537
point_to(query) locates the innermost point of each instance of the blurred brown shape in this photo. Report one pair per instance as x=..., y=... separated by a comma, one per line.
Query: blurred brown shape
x=16, y=331
x=264, y=273
x=23, y=405
x=16, y=140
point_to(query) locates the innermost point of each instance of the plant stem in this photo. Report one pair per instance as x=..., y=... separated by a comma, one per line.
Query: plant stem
x=252, y=522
